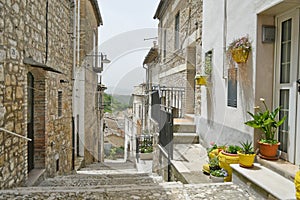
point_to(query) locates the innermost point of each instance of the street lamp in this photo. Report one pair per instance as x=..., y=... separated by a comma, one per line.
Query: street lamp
x=103, y=59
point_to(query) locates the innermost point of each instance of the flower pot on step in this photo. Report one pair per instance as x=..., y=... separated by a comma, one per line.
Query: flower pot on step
x=246, y=160
x=268, y=151
x=225, y=159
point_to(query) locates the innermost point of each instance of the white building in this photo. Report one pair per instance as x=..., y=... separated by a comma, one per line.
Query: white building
x=271, y=71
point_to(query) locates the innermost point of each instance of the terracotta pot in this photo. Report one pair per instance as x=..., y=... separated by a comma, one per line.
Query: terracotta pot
x=246, y=160
x=239, y=55
x=268, y=150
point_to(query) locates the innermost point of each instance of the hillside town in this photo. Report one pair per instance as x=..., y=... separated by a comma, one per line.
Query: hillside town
x=215, y=117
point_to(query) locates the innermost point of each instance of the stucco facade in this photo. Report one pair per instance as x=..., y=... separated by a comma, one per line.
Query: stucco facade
x=87, y=113
x=224, y=21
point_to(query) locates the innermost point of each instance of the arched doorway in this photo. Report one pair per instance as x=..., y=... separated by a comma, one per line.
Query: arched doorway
x=30, y=120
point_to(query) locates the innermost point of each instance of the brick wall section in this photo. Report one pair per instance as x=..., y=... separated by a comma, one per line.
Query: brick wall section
x=23, y=34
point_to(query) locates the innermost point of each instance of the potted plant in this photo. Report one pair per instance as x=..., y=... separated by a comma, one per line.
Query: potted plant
x=239, y=49
x=227, y=157
x=297, y=184
x=246, y=155
x=217, y=176
x=201, y=79
x=267, y=122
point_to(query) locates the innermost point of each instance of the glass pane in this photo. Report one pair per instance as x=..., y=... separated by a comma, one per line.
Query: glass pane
x=285, y=51
x=283, y=129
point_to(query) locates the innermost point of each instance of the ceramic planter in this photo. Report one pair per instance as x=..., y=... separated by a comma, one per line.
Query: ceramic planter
x=246, y=160
x=268, y=151
x=225, y=160
x=201, y=80
x=216, y=179
x=297, y=184
x=239, y=55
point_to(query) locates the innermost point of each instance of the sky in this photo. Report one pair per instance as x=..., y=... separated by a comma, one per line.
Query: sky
x=126, y=25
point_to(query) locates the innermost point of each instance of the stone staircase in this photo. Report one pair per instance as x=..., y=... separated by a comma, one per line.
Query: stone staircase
x=112, y=181
x=185, y=131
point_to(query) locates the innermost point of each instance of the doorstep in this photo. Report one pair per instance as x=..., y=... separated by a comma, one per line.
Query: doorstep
x=280, y=166
x=263, y=182
x=35, y=177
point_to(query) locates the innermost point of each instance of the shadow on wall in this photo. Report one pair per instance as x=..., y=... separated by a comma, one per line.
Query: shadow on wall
x=245, y=78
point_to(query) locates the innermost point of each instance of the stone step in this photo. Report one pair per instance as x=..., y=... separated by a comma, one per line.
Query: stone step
x=190, y=117
x=96, y=180
x=282, y=167
x=263, y=182
x=159, y=191
x=186, y=138
x=165, y=191
x=187, y=127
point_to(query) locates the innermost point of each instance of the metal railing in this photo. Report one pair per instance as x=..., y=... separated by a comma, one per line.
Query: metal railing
x=172, y=97
x=15, y=134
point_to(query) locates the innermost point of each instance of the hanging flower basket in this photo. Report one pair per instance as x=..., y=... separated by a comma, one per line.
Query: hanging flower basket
x=201, y=80
x=239, y=55
x=239, y=49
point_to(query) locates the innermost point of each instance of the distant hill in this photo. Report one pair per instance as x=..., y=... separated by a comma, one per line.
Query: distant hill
x=125, y=99
x=114, y=103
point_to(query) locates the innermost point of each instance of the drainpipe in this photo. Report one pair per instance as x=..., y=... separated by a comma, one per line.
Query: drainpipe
x=78, y=32
x=74, y=40
x=224, y=38
x=47, y=35
x=74, y=137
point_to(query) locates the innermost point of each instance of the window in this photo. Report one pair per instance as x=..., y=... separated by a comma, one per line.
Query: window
x=59, y=103
x=232, y=88
x=177, y=19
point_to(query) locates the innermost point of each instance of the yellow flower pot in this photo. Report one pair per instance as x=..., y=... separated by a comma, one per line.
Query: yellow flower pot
x=246, y=160
x=201, y=80
x=297, y=184
x=225, y=160
x=239, y=55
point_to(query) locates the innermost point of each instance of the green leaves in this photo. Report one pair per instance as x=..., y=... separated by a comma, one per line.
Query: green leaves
x=266, y=122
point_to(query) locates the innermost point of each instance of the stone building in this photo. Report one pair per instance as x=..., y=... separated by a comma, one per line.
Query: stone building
x=36, y=85
x=38, y=60
x=88, y=118
x=179, y=49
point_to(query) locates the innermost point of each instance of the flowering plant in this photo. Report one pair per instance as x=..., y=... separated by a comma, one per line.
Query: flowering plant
x=219, y=173
x=266, y=122
x=242, y=42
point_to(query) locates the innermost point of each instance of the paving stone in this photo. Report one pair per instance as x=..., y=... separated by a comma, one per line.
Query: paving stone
x=123, y=186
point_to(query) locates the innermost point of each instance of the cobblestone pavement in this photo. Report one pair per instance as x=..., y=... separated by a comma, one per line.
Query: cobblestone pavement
x=113, y=182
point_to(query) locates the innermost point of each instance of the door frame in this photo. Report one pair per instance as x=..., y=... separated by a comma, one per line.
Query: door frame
x=292, y=154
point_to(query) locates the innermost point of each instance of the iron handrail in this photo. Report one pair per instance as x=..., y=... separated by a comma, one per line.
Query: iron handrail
x=15, y=134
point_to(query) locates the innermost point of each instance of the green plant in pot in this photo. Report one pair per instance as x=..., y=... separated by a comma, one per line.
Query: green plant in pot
x=218, y=175
x=227, y=157
x=232, y=149
x=267, y=122
x=246, y=155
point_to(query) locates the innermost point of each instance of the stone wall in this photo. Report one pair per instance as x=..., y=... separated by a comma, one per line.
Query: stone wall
x=24, y=34
x=178, y=68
